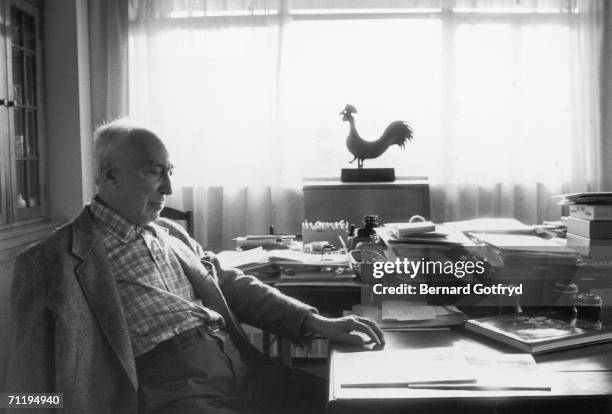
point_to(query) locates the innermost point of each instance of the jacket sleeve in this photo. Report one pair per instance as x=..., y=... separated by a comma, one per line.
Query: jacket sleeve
x=264, y=306
x=31, y=352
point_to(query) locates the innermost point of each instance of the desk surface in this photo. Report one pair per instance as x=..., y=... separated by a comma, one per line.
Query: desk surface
x=580, y=372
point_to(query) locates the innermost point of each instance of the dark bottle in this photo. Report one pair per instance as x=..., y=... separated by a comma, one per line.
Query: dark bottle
x=364, y=234
x=589, y=307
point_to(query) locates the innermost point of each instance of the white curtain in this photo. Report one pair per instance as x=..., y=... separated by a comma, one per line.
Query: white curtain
x=503, y=96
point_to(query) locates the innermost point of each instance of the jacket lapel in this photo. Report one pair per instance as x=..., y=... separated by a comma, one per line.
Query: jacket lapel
x=207, y=288
x=100, y=289
x=203, y=282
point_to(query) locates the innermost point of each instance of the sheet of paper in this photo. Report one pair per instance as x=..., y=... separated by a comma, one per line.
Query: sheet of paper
x=397, y=310
x=495, y=225
x=326, y=259
x=235, y=258
x=411, y=365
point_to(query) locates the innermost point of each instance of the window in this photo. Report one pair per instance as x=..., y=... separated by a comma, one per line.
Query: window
x=503, y=95
x=22, y=186
x=484, y=83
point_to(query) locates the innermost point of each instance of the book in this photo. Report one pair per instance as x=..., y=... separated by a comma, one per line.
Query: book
x=591, y=198
x=591, y=212
x=415, y=228
x=589, y=247
x=253, y=241
x=596, y=229
x=540, y=333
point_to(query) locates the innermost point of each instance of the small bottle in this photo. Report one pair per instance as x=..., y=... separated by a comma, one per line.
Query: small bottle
x=364, y=234
x=589, y=307
x=566, y=304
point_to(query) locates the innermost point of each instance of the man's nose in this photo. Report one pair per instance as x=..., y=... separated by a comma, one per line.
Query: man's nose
x=166, y=187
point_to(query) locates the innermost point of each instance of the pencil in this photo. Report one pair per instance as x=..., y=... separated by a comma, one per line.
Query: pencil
x=475, y=387
x=406, y=384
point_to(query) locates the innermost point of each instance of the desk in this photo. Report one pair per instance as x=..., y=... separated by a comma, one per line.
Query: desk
x=329, y=298
x=580, y=377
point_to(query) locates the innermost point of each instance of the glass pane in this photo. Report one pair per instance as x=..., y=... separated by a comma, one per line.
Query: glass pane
x=16, y=27
x=21, y=184
x=18, y=76
x=28, y=188
x=21, y=149
x=33, y=187
x=32, y=141
x=29, y=32
x=30, y=80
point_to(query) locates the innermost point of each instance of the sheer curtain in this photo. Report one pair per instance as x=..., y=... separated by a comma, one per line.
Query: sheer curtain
x=503, y=96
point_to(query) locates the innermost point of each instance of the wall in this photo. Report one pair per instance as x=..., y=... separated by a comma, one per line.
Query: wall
x=68, y=107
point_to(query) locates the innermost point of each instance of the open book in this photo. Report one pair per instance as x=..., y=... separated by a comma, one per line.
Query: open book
x=539, y=333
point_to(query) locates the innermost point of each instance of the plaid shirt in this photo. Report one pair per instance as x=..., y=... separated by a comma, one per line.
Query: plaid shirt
x=158, y=300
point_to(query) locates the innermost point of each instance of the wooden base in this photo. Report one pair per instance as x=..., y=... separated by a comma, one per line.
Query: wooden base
x=351, y=175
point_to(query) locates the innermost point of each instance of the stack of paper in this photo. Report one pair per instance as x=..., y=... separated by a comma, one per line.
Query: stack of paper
x=491, y=225
x=401, y=316
x=602, y=197
x=526, y=249
x=310, y=259
x=440, y=237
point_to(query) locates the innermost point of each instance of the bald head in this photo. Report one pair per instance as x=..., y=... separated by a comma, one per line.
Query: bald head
x=132, y=169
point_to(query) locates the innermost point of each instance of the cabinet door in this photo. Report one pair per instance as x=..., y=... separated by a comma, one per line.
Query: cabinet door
x=5, y=186
x=23, y=55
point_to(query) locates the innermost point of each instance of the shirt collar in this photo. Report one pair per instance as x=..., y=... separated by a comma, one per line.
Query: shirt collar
x=113, y=222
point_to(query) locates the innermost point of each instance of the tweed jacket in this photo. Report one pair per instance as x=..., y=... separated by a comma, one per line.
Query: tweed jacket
x=69, y=333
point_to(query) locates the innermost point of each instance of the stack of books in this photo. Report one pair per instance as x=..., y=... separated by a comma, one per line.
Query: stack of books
x=589, y=225
x=530, y=257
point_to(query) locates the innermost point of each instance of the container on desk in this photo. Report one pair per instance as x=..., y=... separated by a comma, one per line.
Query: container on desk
x=362, y=263
x=589, y=306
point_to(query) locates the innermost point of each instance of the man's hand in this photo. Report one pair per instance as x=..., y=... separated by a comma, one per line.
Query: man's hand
x=212, y=259
x=339, y=329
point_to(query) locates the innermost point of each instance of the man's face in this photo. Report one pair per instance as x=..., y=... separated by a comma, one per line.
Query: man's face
x=141, y=179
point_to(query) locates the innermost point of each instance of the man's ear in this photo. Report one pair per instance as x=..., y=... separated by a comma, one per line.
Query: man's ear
x=108, y=173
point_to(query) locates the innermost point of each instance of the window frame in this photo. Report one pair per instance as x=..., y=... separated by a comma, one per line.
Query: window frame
x=10, y=215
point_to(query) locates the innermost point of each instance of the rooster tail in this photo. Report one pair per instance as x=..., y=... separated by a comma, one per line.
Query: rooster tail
x=397, y=133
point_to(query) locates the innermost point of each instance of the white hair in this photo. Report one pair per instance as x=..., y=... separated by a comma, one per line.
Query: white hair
x=108, y=138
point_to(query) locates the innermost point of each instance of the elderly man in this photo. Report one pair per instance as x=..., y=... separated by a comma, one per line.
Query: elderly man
x=121, y=311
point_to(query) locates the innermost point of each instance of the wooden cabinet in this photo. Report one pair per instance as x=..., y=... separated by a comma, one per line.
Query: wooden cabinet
x=332, y=200
x=22, y=182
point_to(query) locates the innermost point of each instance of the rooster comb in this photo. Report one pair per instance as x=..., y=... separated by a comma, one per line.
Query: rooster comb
x=350, y=109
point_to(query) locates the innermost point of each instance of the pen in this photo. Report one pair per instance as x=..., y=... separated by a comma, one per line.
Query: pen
x=343, y=244
x=475, y=387
x=408, y=384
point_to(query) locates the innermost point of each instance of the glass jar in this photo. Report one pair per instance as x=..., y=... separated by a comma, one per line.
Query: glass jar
x=589, y=306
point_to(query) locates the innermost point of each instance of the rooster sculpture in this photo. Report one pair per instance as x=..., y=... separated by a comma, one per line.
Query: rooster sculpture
x=396, y=133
